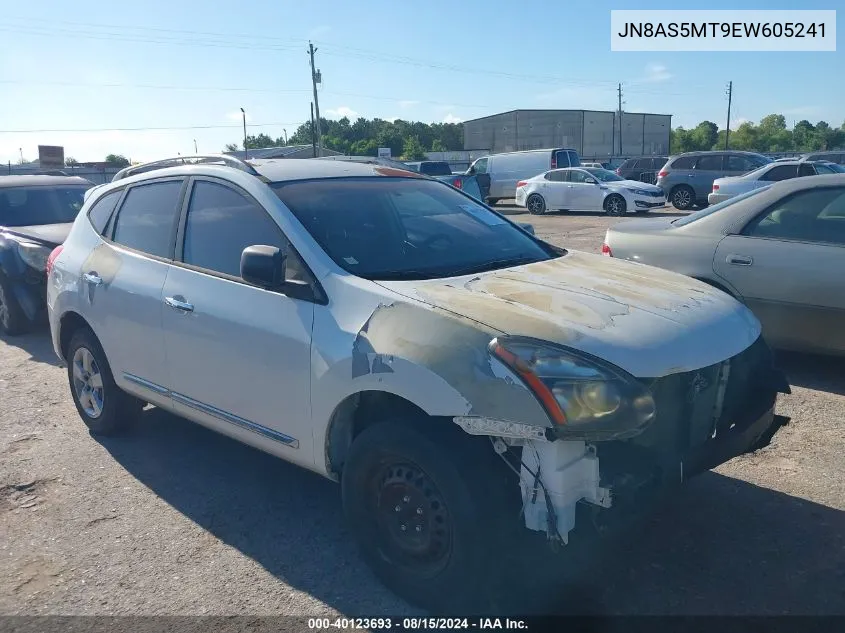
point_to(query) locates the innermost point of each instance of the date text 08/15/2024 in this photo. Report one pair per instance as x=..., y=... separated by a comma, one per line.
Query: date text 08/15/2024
x=417, y=624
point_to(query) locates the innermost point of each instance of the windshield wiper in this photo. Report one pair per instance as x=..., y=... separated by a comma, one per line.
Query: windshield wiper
x=492, y=265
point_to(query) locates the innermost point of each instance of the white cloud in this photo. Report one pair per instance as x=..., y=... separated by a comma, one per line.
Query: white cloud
x=735, y=123
x=408, y=103
x=451, y=118
x=340, y=112
x=237, y=116
x=656, y=73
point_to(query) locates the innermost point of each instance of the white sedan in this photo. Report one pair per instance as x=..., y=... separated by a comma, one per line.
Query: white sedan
x=728, y=187
x=586, y=189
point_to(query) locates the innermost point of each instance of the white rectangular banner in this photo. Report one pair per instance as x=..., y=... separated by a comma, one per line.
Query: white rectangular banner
x=724, y=30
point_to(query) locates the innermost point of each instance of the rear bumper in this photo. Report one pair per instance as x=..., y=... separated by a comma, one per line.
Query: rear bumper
x=716, y=198
x=520, y=197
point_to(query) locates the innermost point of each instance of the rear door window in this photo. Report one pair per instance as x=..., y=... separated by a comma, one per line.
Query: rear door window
x=147, y=218
x=710, y=162
x=738, y=162
x=557, y=175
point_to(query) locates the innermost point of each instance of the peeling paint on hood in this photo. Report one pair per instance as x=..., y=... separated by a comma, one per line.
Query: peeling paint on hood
x=647, y=321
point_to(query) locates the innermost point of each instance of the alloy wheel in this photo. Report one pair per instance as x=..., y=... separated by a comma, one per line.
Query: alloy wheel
x=88, y=382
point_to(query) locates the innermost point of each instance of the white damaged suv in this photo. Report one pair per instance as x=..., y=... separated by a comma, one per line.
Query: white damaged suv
x=389, y=332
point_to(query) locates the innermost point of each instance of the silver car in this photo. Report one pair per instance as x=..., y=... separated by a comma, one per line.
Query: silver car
x=465, y=382
x=730, y=186
x=779, y=249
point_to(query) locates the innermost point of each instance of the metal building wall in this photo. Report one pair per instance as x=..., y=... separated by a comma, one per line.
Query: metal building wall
x=599, y=135
x=594, y=134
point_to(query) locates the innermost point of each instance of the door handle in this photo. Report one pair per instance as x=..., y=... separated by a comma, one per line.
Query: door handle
x=740, y=260
x=176, y=304
x=92, y=278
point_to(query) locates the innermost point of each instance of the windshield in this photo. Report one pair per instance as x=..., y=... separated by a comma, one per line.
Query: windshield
x=603, y=175
x=703, y=213
x=406, y=228
x=27, y=206
x=830, y=168
x=435, y=169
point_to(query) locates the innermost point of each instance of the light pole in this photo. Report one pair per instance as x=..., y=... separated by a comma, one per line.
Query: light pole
x=20, y=149
x=195, y=147
x=246, y=152
x=286, y=135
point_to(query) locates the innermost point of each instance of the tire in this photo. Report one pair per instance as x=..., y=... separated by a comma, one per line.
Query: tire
x=13, y=321
x=615, y=204
x=535, y=204
x=491, y=202
x=106, y=409
x=682, y=197
x=425, y=477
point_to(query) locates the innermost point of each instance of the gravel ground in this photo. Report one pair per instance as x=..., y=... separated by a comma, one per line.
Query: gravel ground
x=174, y=519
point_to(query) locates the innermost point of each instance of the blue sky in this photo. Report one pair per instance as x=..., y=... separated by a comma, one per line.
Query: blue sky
x=101, y=66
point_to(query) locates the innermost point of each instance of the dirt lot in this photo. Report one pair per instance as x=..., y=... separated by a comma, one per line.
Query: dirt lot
x=174, y=519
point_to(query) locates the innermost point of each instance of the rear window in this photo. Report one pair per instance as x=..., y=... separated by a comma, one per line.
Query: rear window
x=435, y=169
x=27, y=206
x=406, y=228
x=683, y=162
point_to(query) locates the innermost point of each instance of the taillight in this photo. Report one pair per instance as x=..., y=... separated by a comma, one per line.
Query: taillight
x=715, y=187
x=554, y=161
x=662, y=174
x=521, y=183
x=457, y=183
x=52, y=258
x=618, y=169
x=605, y=250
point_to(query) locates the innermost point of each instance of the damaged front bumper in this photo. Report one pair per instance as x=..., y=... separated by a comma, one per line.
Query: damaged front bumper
x=704, y=418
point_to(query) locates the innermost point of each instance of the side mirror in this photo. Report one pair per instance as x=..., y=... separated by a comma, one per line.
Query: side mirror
x=593, y=181
x=263, y=266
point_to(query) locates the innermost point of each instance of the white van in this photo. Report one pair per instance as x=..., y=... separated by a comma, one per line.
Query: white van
x=505, y=170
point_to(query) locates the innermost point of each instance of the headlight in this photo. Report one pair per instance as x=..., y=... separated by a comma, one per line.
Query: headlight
x=640, y=192
x=34, y=255
x=575, y=389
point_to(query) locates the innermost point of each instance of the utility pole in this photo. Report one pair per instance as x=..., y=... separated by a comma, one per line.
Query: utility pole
x=315, y=79
x=730, y=91
x=195, y=147
x=619, y=92
x=246, y=151
x=313, y=136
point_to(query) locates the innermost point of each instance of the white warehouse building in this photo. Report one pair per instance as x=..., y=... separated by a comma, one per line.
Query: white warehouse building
x=594, y=134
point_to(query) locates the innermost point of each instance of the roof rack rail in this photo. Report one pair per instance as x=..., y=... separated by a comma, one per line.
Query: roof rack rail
x=199, y=159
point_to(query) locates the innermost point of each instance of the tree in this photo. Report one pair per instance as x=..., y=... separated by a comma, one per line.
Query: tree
x=437, y=146
x=802, y=135
x=412, y=149
x=70, y=161
x=704, y=135
x=117, y=160
x=231, y=147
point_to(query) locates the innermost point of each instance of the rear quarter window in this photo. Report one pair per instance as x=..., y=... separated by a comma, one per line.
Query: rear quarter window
x=683, y=162
x=102, y=210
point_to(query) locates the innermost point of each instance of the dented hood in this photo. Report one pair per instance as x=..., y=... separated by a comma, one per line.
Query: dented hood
x=645, y=320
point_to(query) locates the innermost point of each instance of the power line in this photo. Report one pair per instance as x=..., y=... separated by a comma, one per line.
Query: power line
x=146, y=129
x=223, y=40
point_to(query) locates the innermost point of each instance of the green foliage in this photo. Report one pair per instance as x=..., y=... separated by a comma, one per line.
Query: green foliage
x=365, y=136
x=70, y=161
x=413, y=149
x=770, y=135
x=117, y=160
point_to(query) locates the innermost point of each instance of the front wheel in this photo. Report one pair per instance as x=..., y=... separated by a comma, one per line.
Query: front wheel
x=421, y=513
x=615, y=204
x=535, y=204
x=683, y=198
x=13, y=321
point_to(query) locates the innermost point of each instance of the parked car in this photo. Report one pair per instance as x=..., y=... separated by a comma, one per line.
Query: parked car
x=586, y=189
x=36, y=213
x=644, y=168
x=507, y=169
x=837, y=157
x=724, y=188
x=596, y=165
x=779, y=249
x=430, y=167
x=385, y=330
x=688, y=178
